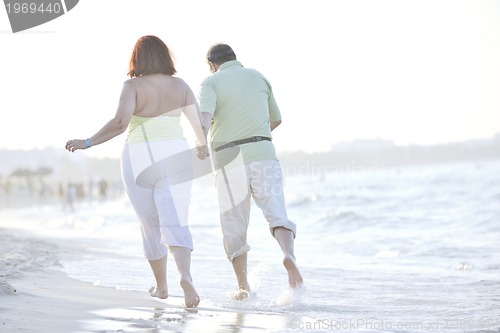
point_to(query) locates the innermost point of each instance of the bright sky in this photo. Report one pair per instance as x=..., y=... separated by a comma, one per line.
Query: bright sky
x=416, y=72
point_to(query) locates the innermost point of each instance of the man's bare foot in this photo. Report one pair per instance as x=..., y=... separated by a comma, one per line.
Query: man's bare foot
x=191, y=297
x=158, y=292
x=294, y=277
x=240, y=294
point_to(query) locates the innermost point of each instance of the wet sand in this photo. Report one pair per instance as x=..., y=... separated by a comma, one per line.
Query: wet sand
x=37, y=297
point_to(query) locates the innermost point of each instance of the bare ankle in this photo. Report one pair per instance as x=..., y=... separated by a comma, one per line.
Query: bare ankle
x=294, y=276
x=186, y=277
x=159, y=291
x=246, y=287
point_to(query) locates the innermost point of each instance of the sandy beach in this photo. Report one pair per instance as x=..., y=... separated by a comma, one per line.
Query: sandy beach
x=37, y=297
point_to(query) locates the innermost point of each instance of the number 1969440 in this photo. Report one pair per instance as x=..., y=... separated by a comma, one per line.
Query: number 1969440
x=31, y=8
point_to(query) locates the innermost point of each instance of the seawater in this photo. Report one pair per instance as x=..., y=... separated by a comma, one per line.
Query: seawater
x=413, y=248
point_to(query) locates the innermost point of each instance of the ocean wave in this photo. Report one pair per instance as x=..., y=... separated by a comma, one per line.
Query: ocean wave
x=343, y=216
x=303, y=200
x=342, y=221
x=387, y=253
x=488, y=224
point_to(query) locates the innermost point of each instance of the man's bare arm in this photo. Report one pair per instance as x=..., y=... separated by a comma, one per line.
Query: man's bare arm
x=275, y=124
x=207, y=121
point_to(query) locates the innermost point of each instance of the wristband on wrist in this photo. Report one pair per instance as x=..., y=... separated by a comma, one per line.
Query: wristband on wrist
x=87, y=143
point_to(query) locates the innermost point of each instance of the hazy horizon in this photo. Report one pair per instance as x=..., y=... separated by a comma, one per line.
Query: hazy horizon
x=371, y=142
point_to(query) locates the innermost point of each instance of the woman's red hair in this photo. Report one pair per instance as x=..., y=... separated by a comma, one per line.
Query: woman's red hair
x=150, y=56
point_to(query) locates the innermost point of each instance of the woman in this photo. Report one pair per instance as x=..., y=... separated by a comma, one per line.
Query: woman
x=156, y=160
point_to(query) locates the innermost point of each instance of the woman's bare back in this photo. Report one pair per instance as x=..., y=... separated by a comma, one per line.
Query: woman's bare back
x=159, y=94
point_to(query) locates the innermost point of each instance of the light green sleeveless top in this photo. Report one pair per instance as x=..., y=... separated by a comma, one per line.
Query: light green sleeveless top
x=147, y=129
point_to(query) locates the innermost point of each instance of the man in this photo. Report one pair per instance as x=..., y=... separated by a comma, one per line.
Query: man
x=238, y=106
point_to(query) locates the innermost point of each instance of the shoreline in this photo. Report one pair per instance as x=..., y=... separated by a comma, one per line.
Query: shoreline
x=36, y=296
x=47, y=300
x=50, y=301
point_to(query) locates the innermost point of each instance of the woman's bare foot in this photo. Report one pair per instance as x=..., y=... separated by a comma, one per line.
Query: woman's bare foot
x=191, y=297
x=158, y=292
x=294, y=277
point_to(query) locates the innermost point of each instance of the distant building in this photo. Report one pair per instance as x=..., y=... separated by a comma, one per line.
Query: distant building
x=497, y=138
x=362, y=145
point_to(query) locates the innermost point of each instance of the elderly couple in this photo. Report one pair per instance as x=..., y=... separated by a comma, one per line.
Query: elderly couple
x=238, y=107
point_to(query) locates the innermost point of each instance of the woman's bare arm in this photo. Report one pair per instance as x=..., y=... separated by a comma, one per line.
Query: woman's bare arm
x=115, y=126
x=192, y=113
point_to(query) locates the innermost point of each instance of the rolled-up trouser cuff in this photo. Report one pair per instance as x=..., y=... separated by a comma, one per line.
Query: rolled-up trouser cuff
x=289, y=225
x=241, y=251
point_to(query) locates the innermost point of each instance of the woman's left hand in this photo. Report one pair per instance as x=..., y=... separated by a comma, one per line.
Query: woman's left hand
x=73, y=145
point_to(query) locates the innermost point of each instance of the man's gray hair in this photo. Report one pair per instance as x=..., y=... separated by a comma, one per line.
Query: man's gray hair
x=220, y=53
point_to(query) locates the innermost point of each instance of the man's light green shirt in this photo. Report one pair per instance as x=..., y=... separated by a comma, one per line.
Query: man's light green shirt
x=242, y=104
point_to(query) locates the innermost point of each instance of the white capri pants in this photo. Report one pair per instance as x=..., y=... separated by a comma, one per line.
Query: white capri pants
x=158, y=177
x=261, y=180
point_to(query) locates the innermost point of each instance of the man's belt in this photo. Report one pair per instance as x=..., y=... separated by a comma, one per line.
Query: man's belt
x=242, y=141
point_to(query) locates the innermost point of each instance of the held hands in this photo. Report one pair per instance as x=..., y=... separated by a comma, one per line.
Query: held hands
x=202, y=151
x=73, y=145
